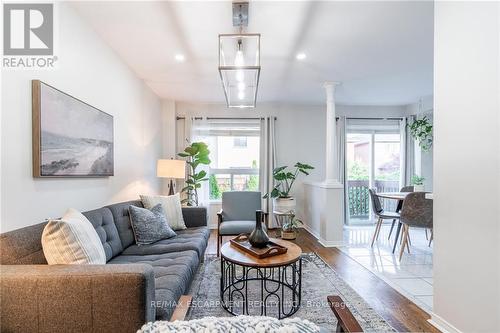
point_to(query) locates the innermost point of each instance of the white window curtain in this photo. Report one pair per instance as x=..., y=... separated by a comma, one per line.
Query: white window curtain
x=267, y=163
x=198, y=134
x=409, y=151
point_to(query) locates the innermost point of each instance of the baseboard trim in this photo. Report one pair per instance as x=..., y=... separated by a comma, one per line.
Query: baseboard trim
x=442, y=324
x=322, y=241
x=326, y=243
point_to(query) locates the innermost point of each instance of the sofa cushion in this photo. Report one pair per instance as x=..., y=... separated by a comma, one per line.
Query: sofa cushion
x=72, y=240
x=104, y=225
x=23, y=246
x=194, y=239
x=149, y=225
x=173, y=274
x=122, y=220
x=171, y=206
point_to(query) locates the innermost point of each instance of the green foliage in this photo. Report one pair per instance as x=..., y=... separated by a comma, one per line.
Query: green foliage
x=197, y=153
x=253, y=180
x=421, y=131
x=284, y=179
x=393, y=175
x=417, y=180
x=215, y=192
x=291, y=223
x=357, y=171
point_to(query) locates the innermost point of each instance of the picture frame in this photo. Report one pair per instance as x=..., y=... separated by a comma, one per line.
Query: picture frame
x=70, y=138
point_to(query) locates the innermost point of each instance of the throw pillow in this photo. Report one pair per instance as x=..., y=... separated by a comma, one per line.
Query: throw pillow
x=172, y=208
x=72, y=240
x=149, y=226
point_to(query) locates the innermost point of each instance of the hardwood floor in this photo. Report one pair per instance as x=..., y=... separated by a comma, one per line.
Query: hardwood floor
x=396, y=309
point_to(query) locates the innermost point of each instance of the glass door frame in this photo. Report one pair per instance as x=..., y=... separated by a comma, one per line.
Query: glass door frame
x=371, y=169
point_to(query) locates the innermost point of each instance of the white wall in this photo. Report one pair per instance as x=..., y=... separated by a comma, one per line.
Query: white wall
x=89, y=70
x=423, y=160
x=300, y=132
x=467, y=166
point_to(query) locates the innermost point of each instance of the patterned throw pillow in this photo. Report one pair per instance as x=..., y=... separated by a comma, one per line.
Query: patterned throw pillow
x=172, y=208
x=72, y=240
x=149, y=226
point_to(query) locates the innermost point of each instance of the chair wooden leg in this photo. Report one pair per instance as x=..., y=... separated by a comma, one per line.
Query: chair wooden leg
x=404, y=242
x=431, y=237
x=408, y=241
x=377, y=227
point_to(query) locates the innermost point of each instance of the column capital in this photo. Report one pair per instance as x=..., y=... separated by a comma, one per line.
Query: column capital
x=331, y=84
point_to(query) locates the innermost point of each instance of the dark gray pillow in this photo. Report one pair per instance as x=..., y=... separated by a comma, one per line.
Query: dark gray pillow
x=149, y=226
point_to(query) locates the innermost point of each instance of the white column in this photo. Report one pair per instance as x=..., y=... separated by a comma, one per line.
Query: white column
x=331, y=135
x=324, y=201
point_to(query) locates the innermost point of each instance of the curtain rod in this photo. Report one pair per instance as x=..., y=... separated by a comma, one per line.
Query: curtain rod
x=225, y=118
x=376, y=118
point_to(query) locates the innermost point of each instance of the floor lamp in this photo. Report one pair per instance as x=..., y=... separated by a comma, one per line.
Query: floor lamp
x=173, y=169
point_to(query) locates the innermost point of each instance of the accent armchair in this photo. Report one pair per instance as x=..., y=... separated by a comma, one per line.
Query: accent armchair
x=237, y=215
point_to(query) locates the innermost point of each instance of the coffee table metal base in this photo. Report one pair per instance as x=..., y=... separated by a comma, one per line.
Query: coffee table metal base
x=277, y=289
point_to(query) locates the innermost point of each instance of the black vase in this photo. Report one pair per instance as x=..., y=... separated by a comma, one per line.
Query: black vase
x=258, y=238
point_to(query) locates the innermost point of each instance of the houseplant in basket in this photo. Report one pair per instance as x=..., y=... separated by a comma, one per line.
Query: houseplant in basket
x=284, y=179
x=289, y=230
x=421, y=131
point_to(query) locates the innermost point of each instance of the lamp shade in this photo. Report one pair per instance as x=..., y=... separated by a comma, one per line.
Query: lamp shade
x=171, y=168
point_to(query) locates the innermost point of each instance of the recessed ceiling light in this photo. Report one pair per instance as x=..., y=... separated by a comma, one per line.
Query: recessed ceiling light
x=180, y=57
x=301, y=56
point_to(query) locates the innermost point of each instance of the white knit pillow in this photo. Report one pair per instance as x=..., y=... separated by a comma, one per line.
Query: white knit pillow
x=72, y=240
x=171, y=206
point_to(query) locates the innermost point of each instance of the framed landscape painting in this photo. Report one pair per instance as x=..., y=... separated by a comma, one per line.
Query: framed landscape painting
x=70, y=138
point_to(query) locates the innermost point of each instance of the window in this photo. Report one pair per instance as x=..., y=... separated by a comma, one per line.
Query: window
x=240, y=142
x=234, y=152
x=373, y=160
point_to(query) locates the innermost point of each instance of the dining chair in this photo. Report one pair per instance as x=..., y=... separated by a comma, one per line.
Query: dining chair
x=237, y=215
x=416, y=213
x=380, y=213
x=403, y=189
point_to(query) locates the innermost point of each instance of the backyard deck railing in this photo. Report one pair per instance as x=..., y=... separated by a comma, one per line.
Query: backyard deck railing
x=359, y=198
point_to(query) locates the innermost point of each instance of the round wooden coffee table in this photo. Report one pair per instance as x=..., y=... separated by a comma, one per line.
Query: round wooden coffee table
x=261, y=287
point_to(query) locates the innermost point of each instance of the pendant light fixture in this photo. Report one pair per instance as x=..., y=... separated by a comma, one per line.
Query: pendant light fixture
x=239, y=61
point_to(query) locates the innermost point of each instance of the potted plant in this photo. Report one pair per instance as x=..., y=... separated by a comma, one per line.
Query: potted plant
x=421, y=131
x=289, y=230
x=418, y=183
x=284, y=180
x=197, y=153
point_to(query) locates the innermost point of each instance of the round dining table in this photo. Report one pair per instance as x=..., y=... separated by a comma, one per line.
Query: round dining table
x=393, y=195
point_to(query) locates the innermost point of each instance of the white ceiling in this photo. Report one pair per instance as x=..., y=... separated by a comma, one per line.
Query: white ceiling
x=382, y=52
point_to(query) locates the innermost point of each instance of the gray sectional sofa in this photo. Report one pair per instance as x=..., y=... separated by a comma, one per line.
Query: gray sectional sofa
x=138, y=284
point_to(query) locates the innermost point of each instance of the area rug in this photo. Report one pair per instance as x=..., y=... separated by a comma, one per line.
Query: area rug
x=318, y=282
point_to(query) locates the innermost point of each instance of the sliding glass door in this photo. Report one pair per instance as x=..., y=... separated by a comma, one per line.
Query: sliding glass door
x=373, y=160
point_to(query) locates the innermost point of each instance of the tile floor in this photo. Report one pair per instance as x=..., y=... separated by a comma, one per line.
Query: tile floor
x=412, y=276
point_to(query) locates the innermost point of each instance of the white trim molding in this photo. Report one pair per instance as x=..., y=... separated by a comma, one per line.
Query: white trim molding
x=325, y=184
x=322, y=241
x=442, y=324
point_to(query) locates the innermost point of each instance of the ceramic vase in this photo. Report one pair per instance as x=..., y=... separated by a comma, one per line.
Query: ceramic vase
x=258, y=238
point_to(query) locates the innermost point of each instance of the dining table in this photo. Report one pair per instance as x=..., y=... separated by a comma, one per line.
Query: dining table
x=400, y=196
